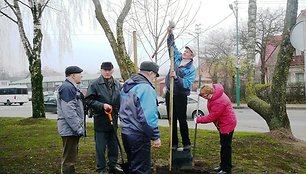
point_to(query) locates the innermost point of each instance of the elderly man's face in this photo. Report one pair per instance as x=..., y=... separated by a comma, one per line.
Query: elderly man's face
x=76, y=77
x=187, y=54
x=107, y=74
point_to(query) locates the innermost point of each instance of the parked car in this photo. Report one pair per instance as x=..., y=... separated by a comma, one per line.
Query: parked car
x=50, y=103
x=30, y=95
x=192, y=105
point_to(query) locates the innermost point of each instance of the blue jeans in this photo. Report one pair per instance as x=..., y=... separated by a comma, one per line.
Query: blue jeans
x=102, y=140
x=138, y=150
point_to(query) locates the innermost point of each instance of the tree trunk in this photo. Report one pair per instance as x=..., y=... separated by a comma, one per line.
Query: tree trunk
x=263, y=64
x=33, y=55
x=118, y=46
x=37, y=89
x=251, y=47
x=281, y=71
x=38, y=110
x=275, y=113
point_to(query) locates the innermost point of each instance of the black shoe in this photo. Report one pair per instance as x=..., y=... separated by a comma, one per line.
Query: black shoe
x=217, y=169
x=174, y=147
x=223, y=172
x=186, y=147
x=103, y=172
x=115, y=169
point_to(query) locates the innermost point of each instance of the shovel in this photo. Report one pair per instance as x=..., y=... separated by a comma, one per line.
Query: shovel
x=124, y=166
x=195, y=133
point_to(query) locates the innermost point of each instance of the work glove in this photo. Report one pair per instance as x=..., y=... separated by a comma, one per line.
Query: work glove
x=171, y=26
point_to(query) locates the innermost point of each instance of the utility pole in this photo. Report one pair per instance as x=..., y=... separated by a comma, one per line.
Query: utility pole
x=235, y=11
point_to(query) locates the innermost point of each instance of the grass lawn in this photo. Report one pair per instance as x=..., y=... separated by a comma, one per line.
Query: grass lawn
x=34, y=146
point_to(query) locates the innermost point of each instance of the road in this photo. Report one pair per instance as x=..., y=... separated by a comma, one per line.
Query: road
x=248, y=120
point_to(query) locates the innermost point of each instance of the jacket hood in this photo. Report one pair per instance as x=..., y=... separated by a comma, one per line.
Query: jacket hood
x=135, y=80
x=218, y=91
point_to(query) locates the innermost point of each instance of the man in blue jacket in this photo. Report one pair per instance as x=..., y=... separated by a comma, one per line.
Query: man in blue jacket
x=70, y=122
x=139, y=119
x=184, y=75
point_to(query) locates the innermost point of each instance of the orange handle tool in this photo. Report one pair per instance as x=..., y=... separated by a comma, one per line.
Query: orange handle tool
x=109, y=114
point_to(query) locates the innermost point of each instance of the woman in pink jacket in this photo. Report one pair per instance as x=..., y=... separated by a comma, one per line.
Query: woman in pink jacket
x=222, y=114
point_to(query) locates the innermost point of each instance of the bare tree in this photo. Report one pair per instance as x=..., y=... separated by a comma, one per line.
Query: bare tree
x=219, y=51
x=150, y=20
x=274, y=113
x=32, y=49
x=268, y=24
x=117, y=43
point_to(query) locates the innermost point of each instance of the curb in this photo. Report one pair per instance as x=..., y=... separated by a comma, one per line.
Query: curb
x=301, y=107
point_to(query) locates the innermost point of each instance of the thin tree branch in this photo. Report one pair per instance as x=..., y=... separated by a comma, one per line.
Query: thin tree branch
x=44, y=6
x=14, y=11
x=24, y=4
x=4, y=7
x=23, y=36
x=8, y=17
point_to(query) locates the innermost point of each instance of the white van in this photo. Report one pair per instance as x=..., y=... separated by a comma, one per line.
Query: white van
x=14, y=94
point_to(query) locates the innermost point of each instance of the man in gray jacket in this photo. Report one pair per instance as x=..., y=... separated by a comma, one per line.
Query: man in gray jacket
x=70, y=109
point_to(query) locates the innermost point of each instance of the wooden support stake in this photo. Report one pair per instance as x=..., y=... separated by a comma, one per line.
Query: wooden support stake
x=171, y=104
x=135, y=51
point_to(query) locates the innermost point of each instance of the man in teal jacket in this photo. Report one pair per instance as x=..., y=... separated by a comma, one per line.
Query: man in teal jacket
x=138, y=118
x=184, y=75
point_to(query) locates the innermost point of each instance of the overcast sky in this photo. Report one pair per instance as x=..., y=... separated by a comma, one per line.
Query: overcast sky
x=90, y=47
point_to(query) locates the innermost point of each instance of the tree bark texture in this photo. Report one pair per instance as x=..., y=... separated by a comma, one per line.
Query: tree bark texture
x=275, y=113
x=118, y=45
x=33, y=55
x=281, y=71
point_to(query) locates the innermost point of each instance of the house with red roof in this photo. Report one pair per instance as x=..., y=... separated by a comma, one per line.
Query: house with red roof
x=296, y=70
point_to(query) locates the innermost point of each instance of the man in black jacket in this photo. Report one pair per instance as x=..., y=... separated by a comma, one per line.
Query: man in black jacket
x=103, y=94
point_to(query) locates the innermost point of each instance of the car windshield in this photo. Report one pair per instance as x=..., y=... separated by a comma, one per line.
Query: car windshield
x=49, y=98
x=190, y=100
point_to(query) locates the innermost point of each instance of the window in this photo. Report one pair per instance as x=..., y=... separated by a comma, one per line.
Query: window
x=299, y=77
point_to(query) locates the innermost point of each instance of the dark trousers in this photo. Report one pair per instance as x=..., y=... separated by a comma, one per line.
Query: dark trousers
x=226, y=151
x=138, y=151
x=102, y=140
x=70, y=152
x=179, y=113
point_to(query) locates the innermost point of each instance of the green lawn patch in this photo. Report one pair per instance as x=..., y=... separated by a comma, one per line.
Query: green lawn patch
x=34, y=146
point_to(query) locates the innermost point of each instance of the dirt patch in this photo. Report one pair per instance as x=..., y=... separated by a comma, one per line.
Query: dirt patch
x=286, y=137
x=282, y=134
x=185, y=170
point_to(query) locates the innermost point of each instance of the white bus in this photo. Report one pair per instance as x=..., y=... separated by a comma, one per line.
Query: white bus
x=14, y=94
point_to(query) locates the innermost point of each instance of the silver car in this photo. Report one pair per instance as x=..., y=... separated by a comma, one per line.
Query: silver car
x=192, y=106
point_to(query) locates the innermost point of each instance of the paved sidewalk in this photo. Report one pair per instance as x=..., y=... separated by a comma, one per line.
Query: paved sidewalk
x=289, y=106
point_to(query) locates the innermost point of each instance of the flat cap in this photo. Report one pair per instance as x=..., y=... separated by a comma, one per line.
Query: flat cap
x=149, y=66
x=107, y=66
x=72, y=70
